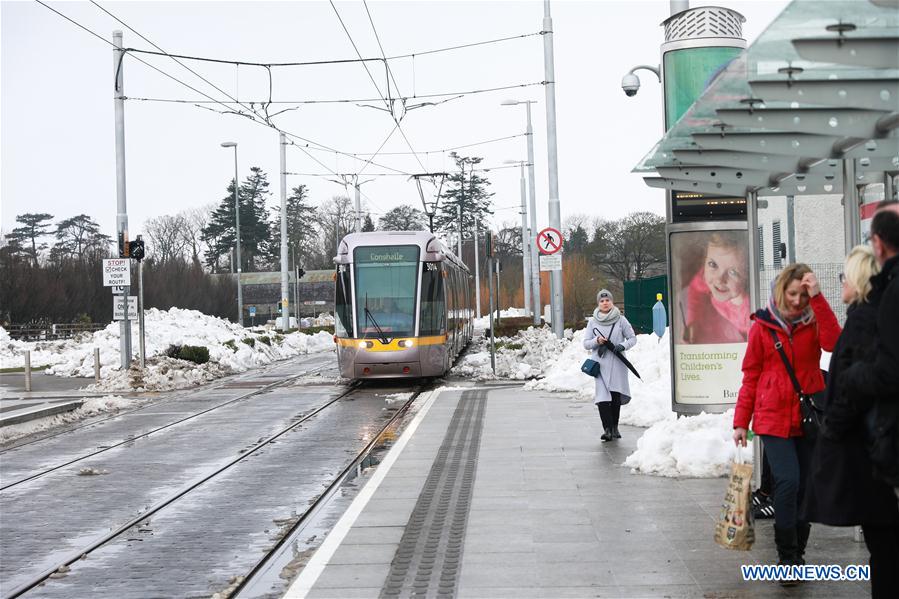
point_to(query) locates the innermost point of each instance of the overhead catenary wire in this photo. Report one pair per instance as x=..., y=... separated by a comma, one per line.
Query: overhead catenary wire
x=345, y=100
x=386, y=62
x=332, y=61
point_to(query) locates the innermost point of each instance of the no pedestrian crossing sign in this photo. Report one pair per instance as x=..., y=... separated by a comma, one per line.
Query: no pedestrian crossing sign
x=549, y=241
x=116, y=271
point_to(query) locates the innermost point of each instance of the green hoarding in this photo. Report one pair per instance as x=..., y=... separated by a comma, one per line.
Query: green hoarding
x=688, y=72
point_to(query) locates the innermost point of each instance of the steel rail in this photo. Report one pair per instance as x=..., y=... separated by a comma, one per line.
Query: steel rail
x=217, y=384
x=268, y=387
x=74, y=556
x=324, y=499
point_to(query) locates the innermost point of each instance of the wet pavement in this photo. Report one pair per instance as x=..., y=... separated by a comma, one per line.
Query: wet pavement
x=219, y=530
x=552, y=513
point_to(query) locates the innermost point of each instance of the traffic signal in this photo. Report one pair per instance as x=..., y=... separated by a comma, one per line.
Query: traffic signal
x=135, y=249
x=489, y=244
x=300, y=273
x=124, y=245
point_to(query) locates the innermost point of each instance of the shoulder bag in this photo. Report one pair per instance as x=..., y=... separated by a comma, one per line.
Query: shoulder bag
x=591, y=367
x=812, y=415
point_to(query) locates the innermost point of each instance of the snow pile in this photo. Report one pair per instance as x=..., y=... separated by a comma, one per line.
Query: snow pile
x=651, y=394
x=232, y=348
x=484, y=321
x=694, y=446
x=322, y=320
x=92, y=406
x=521, y=357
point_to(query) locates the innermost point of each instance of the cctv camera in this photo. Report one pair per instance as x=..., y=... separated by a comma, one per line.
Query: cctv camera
x=630, y=83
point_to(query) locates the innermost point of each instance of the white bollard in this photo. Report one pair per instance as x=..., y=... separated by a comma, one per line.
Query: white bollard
x=28, y=370
x=96, y=364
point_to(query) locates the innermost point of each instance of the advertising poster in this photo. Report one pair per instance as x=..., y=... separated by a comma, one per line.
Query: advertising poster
x=710, y=314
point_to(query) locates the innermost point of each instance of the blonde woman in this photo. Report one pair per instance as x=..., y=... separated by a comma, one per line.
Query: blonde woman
x=803, y=323
x=841, y=489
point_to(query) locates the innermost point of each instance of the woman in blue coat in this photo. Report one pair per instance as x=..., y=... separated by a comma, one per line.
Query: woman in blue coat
x=608, y=331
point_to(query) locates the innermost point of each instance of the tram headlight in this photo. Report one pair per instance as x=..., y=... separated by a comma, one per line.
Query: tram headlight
x=365, y=344
x=405, y=343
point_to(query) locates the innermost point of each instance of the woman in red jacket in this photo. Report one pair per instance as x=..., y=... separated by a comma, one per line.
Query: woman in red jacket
x=804, y=323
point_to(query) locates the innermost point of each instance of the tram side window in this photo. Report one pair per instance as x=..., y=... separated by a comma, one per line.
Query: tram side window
x=433, y=305
x=450, y=299
x=343, y=324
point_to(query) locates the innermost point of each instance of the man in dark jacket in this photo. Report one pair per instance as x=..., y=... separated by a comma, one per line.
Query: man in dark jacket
x=878, y=381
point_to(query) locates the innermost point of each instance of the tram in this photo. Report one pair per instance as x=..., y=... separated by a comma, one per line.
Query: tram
x=403, y=305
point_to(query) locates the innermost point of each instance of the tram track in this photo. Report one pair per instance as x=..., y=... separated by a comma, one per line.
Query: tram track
x=62, y=565
x=274, y=557
x=145, y=434
x=213, y=386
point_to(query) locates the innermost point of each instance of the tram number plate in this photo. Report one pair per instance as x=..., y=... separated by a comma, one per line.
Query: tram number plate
x=430, y=266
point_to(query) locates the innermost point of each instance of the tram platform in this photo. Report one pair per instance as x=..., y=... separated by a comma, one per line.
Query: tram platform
x=501, y=492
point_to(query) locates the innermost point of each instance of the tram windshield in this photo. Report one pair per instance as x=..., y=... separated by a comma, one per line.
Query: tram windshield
x=386, y=280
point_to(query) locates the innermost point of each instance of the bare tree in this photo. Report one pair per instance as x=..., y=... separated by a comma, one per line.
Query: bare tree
x=629, y=248
x=165, y=235
x=195, y=220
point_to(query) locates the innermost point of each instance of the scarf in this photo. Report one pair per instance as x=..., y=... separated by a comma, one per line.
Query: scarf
x=735, y=314
x=788, y=324
x=610, y=317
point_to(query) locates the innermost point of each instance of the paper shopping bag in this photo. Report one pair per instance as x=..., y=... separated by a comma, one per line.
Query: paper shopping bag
x=735, y=529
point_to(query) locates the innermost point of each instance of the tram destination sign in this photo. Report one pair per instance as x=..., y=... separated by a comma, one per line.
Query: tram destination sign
x=387, y=254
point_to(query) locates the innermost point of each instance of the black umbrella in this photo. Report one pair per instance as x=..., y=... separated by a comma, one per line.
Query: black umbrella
x=627, y=363
x=621, y=357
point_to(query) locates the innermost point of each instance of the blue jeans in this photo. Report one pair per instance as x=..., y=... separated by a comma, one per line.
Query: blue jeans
x=789, y=460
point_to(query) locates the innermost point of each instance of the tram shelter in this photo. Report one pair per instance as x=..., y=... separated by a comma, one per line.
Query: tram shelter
x=811, y=108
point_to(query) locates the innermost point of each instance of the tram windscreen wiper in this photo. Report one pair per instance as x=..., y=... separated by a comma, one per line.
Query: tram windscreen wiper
x=370, y=316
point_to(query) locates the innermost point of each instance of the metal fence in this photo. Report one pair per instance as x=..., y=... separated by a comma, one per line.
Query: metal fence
x=828, y=274
x=49, y=332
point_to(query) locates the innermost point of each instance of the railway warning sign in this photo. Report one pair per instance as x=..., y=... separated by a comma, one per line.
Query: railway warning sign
x=116, y=272
x=549, y=241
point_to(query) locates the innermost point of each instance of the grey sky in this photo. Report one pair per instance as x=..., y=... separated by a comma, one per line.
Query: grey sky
x=57, y=109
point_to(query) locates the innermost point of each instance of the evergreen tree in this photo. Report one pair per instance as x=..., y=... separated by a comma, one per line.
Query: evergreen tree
x=219, y=233
x=301, y=231
x=367, y=224
x=24, y=238
x=77, y=238
x=468, y=189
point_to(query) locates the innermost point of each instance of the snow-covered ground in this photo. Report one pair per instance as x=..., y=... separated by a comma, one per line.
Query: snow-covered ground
x=693, y=446
x=232, y=349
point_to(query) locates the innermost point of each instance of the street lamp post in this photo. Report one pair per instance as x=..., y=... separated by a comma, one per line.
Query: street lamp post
x=525, y=255
x=552, y=156
x=536, y=302
x=231, y=144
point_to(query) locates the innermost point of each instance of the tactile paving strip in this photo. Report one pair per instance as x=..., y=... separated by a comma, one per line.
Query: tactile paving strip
x=429, y=556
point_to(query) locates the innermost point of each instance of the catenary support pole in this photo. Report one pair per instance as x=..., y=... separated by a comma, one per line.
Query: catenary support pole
x=852, y=227
x=525, y=252
x=140, y=313
x=118, y=70
x=552, y=155
x=889, y=192
x=477, y=271
x=459, y=242
x=536, y=301
x=285, y=284
x=358, y=205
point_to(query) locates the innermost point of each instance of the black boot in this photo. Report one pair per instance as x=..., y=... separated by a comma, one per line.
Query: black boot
x=787, y=550
x=802, y=531
x=615, y=432
x=607, y=435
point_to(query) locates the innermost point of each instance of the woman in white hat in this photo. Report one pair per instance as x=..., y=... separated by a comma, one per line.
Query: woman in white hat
x=609, y=332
